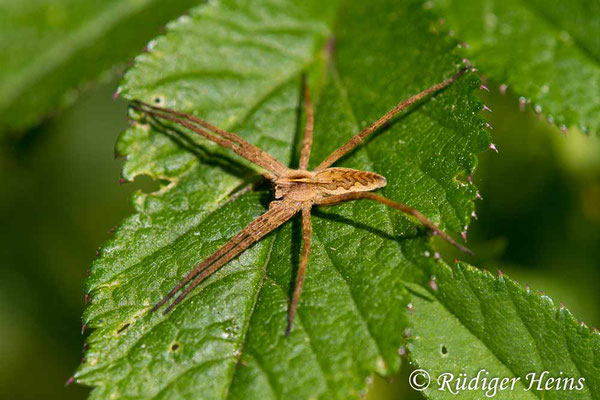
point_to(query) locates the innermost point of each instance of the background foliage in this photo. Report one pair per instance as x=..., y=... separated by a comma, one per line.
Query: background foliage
x=51, y=48
x=546, y=52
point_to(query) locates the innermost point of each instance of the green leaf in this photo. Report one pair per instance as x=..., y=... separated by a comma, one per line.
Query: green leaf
x=239, y=65
x=51, y=48
x=474, y=321
x=546, y=51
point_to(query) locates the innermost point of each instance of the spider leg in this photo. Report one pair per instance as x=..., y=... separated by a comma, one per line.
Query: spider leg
x=308, y=130
x=341, y=198
x=227, y=247
x=306, y=238
x=228, y=135
x=363, y=134
x=219, y=136
x=202, y=275
x=253, y=232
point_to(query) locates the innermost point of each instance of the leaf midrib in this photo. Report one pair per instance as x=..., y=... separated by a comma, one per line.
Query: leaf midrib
x=359, y=311
x=298, y=317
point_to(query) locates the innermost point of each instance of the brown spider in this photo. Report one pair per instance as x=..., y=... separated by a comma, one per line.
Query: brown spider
x=296, y=190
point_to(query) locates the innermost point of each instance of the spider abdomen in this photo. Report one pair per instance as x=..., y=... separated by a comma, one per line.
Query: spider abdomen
x=333, y=181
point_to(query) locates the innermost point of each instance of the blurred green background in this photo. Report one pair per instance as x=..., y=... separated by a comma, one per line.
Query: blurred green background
x=539, y=221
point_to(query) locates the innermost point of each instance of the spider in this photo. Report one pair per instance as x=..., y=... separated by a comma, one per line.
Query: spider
x=296, y=190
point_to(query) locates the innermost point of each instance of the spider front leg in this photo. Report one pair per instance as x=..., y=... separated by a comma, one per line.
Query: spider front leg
x=273, y=168
x=306, y=239
x=387, y=117
x=341, y=198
